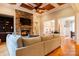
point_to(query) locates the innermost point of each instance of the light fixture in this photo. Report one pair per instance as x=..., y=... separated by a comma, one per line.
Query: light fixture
x=40, y=11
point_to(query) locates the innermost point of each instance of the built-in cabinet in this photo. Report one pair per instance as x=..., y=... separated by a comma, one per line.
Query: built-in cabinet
x=6, y=26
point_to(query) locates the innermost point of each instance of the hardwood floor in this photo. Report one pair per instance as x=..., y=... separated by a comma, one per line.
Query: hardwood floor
x=77, y=50
x=56, y=52
x=68, y=48
x=3, y=50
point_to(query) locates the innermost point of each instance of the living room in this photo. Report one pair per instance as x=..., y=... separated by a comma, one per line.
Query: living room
x=38, y=29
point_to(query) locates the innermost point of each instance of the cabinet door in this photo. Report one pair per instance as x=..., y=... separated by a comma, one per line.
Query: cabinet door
x=9, y=25
x=2, y=26
x=3, y=37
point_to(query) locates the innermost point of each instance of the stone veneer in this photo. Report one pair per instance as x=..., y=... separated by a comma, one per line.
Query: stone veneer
x=20, y=27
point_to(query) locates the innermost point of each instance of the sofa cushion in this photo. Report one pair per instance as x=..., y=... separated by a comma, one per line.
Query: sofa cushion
x=11, y=43
x=46, y=37
x=56, y=35
x=20, y=42
x=30, y=41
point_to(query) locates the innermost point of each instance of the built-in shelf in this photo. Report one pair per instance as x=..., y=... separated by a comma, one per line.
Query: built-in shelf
x=26, y=26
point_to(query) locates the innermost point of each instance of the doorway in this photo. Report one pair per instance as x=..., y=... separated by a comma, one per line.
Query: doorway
x=67, y=26
x=67, y=31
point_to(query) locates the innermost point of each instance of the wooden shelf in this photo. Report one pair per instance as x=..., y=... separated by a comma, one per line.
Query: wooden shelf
x=26, y=26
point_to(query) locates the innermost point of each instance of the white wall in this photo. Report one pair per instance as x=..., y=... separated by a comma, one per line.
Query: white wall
x=6, y=10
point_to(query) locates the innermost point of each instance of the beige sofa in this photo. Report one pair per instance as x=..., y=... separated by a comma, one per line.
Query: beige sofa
x=38, y=46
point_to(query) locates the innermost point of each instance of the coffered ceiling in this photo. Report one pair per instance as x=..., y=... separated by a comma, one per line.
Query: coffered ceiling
x=40, y=7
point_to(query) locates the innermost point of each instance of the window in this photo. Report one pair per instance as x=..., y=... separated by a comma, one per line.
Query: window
x=49, y=26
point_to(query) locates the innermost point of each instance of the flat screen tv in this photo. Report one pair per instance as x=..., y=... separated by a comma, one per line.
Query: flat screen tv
x=25, y=21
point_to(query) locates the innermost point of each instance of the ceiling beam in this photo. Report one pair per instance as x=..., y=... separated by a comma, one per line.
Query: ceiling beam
x=26, y=6
x=34, y=5
x=43, y=5
x=38, y=5
x=55, y=5
x=29, y=5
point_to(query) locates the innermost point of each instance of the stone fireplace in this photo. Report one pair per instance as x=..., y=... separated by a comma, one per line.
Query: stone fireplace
x=23, y=29
x=26, y=30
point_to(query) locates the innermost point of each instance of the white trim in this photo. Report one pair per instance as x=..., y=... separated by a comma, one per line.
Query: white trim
x=55, y=5
x=18, y=4
x=43, y=5
x=33, y=5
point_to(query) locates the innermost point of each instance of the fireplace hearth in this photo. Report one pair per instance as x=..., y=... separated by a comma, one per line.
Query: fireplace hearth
x=25, y=32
